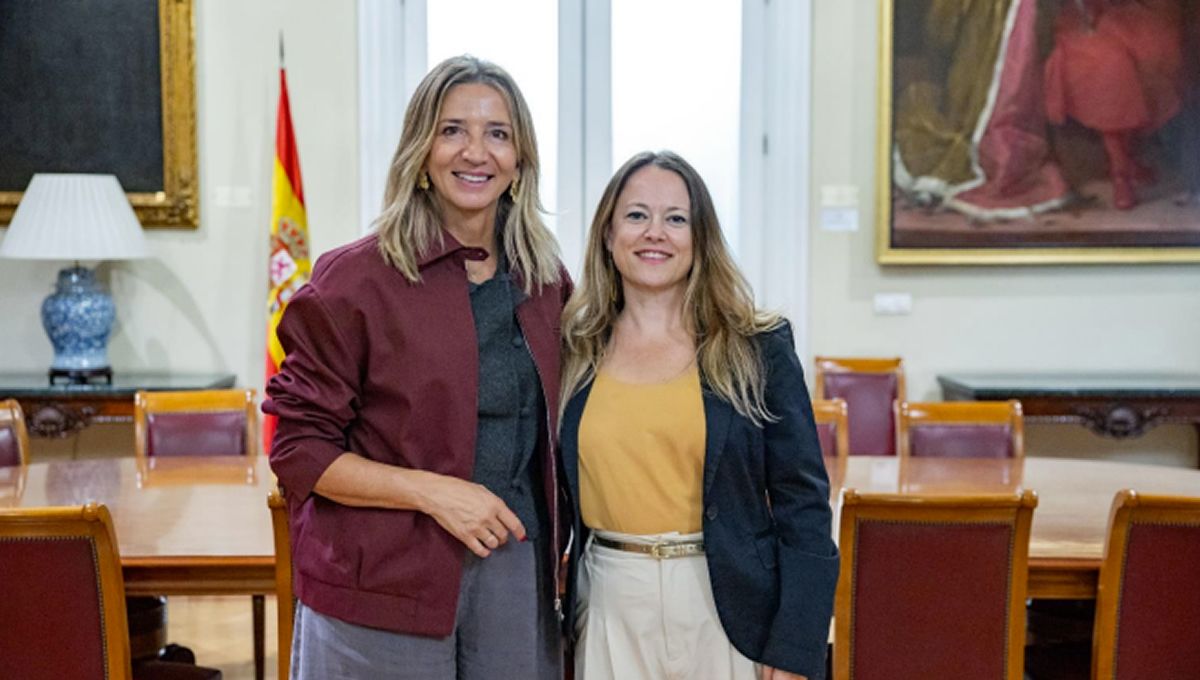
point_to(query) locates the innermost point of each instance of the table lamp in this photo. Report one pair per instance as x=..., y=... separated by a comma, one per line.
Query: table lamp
x=76, y=217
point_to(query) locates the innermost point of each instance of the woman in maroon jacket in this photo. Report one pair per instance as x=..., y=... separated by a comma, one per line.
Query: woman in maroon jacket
x=416, y=407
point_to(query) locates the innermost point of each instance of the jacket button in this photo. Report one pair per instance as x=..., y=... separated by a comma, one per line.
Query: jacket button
x=525, y=411
x=711, y=513
x=517, y=341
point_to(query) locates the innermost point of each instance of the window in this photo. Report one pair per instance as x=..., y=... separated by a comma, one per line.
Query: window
x=522, y=38
x=723, y=82
x=689, y=100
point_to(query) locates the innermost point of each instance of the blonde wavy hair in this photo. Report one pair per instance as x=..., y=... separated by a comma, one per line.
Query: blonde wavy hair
x=718, y=304
x=411, y=221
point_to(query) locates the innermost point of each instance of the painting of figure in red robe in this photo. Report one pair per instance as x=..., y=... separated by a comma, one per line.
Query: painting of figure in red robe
x=1059, y=126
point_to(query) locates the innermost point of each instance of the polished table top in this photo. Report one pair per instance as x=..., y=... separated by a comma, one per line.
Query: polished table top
x=184, y=525
x=202, y=525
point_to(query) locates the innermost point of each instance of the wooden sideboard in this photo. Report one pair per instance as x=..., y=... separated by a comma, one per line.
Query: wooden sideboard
x=1115, y=405
x=60, y=410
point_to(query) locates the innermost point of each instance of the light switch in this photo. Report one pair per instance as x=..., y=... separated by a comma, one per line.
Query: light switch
x=893, y=304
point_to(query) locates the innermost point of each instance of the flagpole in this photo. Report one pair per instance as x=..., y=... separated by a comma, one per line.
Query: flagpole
x=280, y=49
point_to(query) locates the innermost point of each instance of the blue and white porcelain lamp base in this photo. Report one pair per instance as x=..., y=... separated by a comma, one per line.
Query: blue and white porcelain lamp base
x=78, y=317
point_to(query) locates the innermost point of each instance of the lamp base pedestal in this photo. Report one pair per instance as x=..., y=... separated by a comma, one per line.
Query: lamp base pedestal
x=81, y=376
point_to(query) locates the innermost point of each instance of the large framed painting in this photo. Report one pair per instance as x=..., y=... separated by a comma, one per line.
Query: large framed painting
x=103, y=87
x=1039, y=131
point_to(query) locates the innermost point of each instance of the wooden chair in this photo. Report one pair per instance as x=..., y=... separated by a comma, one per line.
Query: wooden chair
x=960, y=429
x=202, y=423
x=932, y=586
x=1148, y=601
x=14, y=439
x=283, y=579
x=833, y=432
x=196, y=423
x=63, y=595
x=64, y=612
x=870, y=386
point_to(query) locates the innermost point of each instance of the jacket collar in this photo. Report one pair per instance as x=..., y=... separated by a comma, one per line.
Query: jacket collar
x=448, y=245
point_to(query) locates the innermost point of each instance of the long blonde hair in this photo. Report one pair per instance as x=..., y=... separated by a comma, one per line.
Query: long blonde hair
x=411, y=221
x=718, y=304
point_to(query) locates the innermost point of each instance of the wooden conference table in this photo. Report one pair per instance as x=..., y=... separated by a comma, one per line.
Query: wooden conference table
x=188, y=527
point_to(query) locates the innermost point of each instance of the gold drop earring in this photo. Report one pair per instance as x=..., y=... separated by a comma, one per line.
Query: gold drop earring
x=423, y=181
x=512, y=188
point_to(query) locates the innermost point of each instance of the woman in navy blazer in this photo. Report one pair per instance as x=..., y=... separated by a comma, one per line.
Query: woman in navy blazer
x=655, y=250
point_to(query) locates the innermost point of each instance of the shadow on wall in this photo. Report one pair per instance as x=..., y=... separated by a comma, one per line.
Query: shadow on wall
x=153, y=354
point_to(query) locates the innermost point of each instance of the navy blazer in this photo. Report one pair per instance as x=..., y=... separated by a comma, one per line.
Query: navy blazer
x=773, y=564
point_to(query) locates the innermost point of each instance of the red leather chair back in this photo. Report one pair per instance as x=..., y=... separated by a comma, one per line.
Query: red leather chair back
x=63, y=608
x=869, y=397
x=212, y=433
x=961, y=441
x=1148, y=606
x=932, y=587
x=14, y=441
x=10, y=452
x=827, y=435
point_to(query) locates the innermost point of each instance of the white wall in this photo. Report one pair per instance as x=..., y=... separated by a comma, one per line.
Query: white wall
x=198, y=304
x=1077, y=318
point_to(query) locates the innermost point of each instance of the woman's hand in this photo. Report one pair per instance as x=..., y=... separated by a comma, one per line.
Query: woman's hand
x=769, y=673
x=470, y=513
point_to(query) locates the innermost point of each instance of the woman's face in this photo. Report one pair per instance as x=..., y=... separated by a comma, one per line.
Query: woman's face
x=650, y=237
x=473, y=159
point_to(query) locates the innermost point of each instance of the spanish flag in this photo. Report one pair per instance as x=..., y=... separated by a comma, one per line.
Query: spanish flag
x=289, y=265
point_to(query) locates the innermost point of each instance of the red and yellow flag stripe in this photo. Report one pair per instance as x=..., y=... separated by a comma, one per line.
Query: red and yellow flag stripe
x=290, y=266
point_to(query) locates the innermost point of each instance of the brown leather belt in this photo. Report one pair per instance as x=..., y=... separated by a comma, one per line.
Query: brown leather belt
x=662, y=550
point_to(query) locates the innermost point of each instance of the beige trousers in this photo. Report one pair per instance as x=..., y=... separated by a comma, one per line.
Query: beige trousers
x=640, y=618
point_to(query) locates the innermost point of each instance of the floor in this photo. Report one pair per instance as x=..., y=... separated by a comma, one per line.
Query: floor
x=220, y=631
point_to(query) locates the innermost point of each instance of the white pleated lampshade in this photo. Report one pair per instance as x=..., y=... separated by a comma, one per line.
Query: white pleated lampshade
x=74, y=217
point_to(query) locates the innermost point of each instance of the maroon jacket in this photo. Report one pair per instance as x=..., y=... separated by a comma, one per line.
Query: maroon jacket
x=389, y=370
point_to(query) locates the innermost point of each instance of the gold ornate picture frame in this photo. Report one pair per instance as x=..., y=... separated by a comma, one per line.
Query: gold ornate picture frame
x=988, y=150
x=176, y=202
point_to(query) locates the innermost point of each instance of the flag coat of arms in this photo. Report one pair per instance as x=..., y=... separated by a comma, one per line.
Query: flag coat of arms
x=289, y=265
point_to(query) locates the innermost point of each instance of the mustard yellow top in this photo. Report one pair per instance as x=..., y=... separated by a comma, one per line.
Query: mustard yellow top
x=641, y=456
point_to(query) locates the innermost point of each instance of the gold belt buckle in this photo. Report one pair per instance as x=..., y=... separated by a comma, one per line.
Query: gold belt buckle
x=667, y=551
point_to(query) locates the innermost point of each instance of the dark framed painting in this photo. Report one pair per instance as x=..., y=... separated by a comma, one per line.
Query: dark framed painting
x=101, y=87
x=1039, y=131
